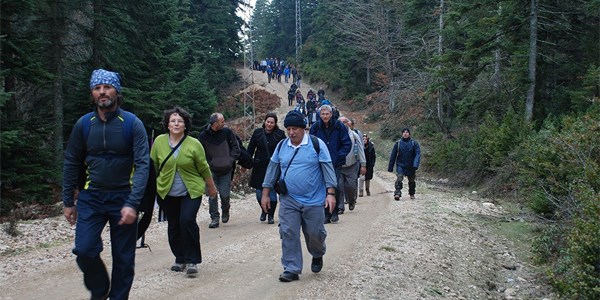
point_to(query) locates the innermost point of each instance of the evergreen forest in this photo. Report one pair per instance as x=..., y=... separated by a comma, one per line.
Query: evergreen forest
x=504, y=94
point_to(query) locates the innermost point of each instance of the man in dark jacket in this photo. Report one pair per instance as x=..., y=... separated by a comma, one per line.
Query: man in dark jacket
x=117, y=167
x=335, y=134
x=406, y=155
x=222, y=150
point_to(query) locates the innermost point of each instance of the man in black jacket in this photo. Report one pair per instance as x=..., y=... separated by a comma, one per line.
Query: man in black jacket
x=222, y=150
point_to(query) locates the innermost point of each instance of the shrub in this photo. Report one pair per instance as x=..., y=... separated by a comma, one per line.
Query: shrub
x=560, y=176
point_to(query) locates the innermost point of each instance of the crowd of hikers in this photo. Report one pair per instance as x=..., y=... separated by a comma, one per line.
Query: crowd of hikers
x=111, y=178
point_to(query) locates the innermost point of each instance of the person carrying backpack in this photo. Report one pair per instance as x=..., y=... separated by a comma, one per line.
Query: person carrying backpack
x=222, y=151
x=116, y=177
x=306, y=185
x=406, y=155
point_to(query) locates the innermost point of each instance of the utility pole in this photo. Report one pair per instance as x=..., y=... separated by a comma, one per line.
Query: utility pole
x=248, y=80
x=298, y=31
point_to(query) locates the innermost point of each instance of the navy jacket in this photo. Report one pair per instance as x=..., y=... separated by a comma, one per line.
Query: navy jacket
x=336, y=138
x=110, y=159
x=407, y=158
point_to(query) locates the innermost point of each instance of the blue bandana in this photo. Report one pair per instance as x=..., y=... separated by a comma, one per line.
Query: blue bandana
x=101, y=76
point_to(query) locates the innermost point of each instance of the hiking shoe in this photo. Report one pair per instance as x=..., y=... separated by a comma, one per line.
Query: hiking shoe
x=327, y=220
x=271, y=221
x=351, y=206
x=397, y=197
x=360, y=193
x=177, y=267
x=103, y=297
x=263, y=216
x=316, y=265
x=225, y=217
x=340, y=212
x=368, y=193
x=214, y=223
x=288, y=277
x=335, y=218
x=192, y=270
x=412, y=197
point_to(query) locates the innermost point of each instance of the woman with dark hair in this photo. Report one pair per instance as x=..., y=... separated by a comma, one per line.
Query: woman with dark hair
x=364, y=181
x=182, y=175
x=261, y=147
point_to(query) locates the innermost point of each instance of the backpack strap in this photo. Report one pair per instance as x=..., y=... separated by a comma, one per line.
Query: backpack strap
x=86, y=123
x=126, y=117
x=315, y=142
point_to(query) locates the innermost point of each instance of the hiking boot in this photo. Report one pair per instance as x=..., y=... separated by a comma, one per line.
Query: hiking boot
x=412, y=197
x=335, y=218
x=397, y=197
x=360, y=193
x=340, y=212
x=351, y=206
x=368, y=192
x=192, y=270
x=103, y=297
x=214, y=223
x=288, y=277
x=271, y=221
x=316, y=265
x=177, y=267
x=225, y=217
x=263, y=216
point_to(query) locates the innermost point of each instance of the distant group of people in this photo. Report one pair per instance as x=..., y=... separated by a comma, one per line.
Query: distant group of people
x=276, y=68
x=312, y=172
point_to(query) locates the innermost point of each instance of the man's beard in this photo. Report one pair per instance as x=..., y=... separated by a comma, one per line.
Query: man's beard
x=108, y=103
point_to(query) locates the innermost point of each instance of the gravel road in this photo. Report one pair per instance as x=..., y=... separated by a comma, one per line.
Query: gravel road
x=435, y=247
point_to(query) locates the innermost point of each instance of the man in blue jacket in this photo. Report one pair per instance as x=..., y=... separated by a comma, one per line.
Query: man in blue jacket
x=406, y=155
x=335, y=135
x=117, y=167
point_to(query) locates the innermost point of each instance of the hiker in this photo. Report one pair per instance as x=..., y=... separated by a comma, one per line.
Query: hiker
x=291, y=96
x=222, y=150
x=321, y=94
x=335, y=135
x=269, y=73
x=310, y=185
x=364, y=181
x=116, y=176
x=406, y=155
x=355, y=163
x=183, y=174
x=261, y=146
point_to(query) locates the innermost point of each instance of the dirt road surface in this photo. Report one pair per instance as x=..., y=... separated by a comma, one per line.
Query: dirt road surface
x=435, y=247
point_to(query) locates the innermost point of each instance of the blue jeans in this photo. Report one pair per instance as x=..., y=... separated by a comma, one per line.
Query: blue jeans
x=272, y=197
x=94, y=210
x=223, y=183
x=294, y=216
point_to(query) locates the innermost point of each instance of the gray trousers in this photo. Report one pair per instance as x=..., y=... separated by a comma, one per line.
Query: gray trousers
x=294, y=216
x=223, y=183
x=348, y=184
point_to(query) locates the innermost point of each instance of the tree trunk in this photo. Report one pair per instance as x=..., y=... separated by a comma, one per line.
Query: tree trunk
x=96, y=34
x=497, y=57
x=368, y=73
x=532, y=61
x=58, y=31
x=440, y=51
